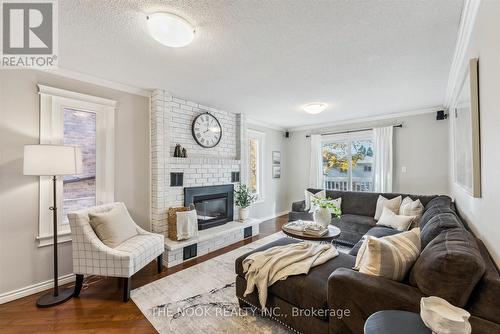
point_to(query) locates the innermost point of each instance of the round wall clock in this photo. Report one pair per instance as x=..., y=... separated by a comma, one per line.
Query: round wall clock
x=206, y=130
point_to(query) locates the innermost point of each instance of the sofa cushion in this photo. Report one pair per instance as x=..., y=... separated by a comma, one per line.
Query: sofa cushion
x=439, y=201
x=113, y=227
x=411, y=207
x=304, y=291
x=310, y=291
x=398, y=222
x=391, y=256
x=437, y=224
x=378, y=232
x=309, y=196
x=391, y=204
x=484, y=299
x=353, y=227
x=449, y=267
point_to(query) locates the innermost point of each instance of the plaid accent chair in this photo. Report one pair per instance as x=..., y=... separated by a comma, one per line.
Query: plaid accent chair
x=92, y=257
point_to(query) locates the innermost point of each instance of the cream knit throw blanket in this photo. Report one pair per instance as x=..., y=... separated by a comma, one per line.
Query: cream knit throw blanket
x=265, y=268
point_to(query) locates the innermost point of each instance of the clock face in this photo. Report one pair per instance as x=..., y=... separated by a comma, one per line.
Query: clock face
x=207, y=130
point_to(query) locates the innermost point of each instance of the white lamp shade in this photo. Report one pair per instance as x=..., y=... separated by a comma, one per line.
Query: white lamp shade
x=52, y=160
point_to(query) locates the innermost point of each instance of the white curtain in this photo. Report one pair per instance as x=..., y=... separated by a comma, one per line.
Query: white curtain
x=383, y=158
x=316, y=167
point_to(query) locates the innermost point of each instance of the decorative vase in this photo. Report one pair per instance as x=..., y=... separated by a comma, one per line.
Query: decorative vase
x=244, y=212
x=442, y=317
x=177, y=151
x=322, y=216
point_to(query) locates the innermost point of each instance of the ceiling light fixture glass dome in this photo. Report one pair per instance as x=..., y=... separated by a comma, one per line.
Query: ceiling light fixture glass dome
x=314, y=108
x=170, y=30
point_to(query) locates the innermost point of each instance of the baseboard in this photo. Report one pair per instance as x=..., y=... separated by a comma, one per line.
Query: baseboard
x=277, y=214
x=35, y=288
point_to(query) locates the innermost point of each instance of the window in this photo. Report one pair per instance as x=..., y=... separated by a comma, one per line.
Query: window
x=256, y=142
x=80, y=120
x=79, y=191
x=348, y=162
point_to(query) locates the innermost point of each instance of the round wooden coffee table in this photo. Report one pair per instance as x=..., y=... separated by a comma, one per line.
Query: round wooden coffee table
x=333, y=233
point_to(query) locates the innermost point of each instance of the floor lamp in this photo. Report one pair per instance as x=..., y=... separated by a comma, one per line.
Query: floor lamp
x=53, y=160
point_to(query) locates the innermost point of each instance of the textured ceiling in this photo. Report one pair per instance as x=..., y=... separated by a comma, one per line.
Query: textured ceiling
x=268, y=58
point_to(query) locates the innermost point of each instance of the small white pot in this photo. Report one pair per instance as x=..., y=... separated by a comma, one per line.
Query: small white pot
x=322, y=216
x=243, y=213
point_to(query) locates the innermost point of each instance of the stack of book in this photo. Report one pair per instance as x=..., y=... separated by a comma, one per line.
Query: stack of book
x=315, y=230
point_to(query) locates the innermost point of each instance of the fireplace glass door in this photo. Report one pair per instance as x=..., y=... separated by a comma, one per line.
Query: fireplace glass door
x=209, y=209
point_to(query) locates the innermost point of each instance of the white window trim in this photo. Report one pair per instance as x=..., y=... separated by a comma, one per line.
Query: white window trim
x=349, y=138
x=52, y=102
x=261, y=138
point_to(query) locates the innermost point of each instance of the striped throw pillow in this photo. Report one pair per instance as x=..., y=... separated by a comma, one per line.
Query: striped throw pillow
x=412, y=208
x=390, y=257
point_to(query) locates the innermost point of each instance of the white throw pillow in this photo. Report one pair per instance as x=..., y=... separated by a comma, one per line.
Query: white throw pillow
x=412, y=208
x=392, y=204
x=308, y=194
x=398, y=222
x=390, y=257
x=114, y=226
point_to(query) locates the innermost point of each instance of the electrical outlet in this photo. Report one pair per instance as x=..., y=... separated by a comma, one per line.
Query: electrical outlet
x=404, y=169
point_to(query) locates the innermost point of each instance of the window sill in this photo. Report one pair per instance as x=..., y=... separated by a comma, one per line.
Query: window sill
x=48, y=240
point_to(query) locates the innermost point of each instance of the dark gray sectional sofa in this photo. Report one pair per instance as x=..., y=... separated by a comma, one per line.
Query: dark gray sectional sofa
x=358, y=210
x=453, y=265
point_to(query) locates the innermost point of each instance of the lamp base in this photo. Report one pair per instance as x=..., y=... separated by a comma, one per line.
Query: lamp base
x=48, y=299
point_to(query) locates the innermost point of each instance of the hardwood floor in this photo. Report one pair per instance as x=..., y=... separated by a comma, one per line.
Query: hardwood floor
x=99, y=309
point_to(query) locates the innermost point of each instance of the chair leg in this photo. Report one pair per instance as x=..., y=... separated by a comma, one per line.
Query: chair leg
x=127, y=282
x=78, y=285
x=159, y=263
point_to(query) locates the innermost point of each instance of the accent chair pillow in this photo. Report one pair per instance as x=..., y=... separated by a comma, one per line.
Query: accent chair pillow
x=392, y=204
x=308, y=194
x=114, y=226
x=412, y=208
x=397, y=222
x=390, y=257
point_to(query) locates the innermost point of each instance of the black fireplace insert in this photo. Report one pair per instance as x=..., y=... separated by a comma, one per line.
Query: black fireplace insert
x=214, y=204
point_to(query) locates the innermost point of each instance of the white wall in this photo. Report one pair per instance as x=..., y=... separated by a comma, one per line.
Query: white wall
x=274, y=189
x=421, y=146
x=482, y=213
x=22, y=263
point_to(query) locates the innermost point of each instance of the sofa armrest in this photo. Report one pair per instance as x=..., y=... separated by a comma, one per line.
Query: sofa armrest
x=364, y=295
x=299, y=206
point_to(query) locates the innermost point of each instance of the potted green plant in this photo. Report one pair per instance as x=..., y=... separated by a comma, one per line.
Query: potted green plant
x=323, y=209
x=243, y=198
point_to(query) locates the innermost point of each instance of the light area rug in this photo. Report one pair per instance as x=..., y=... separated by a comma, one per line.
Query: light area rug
x=202, y=299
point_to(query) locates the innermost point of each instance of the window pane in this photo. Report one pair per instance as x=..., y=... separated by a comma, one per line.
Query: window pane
x=362, y=165
x=336, y=165
x=254, y=163
x=80, y=190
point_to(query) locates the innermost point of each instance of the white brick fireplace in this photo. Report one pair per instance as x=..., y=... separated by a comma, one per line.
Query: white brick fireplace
x=171, y=120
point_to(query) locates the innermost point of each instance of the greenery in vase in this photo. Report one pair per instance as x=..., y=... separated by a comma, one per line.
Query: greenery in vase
x=243, y=196
x=326, y=203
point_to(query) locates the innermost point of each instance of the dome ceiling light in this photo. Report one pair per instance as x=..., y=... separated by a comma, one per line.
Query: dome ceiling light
x=314, y=108
x=170, y=30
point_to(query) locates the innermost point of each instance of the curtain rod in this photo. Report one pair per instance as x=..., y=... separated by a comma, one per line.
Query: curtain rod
x=351, y=131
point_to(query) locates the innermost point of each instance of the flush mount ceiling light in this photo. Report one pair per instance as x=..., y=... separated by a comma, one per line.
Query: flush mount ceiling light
x=170, y=30
x=314, y=108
